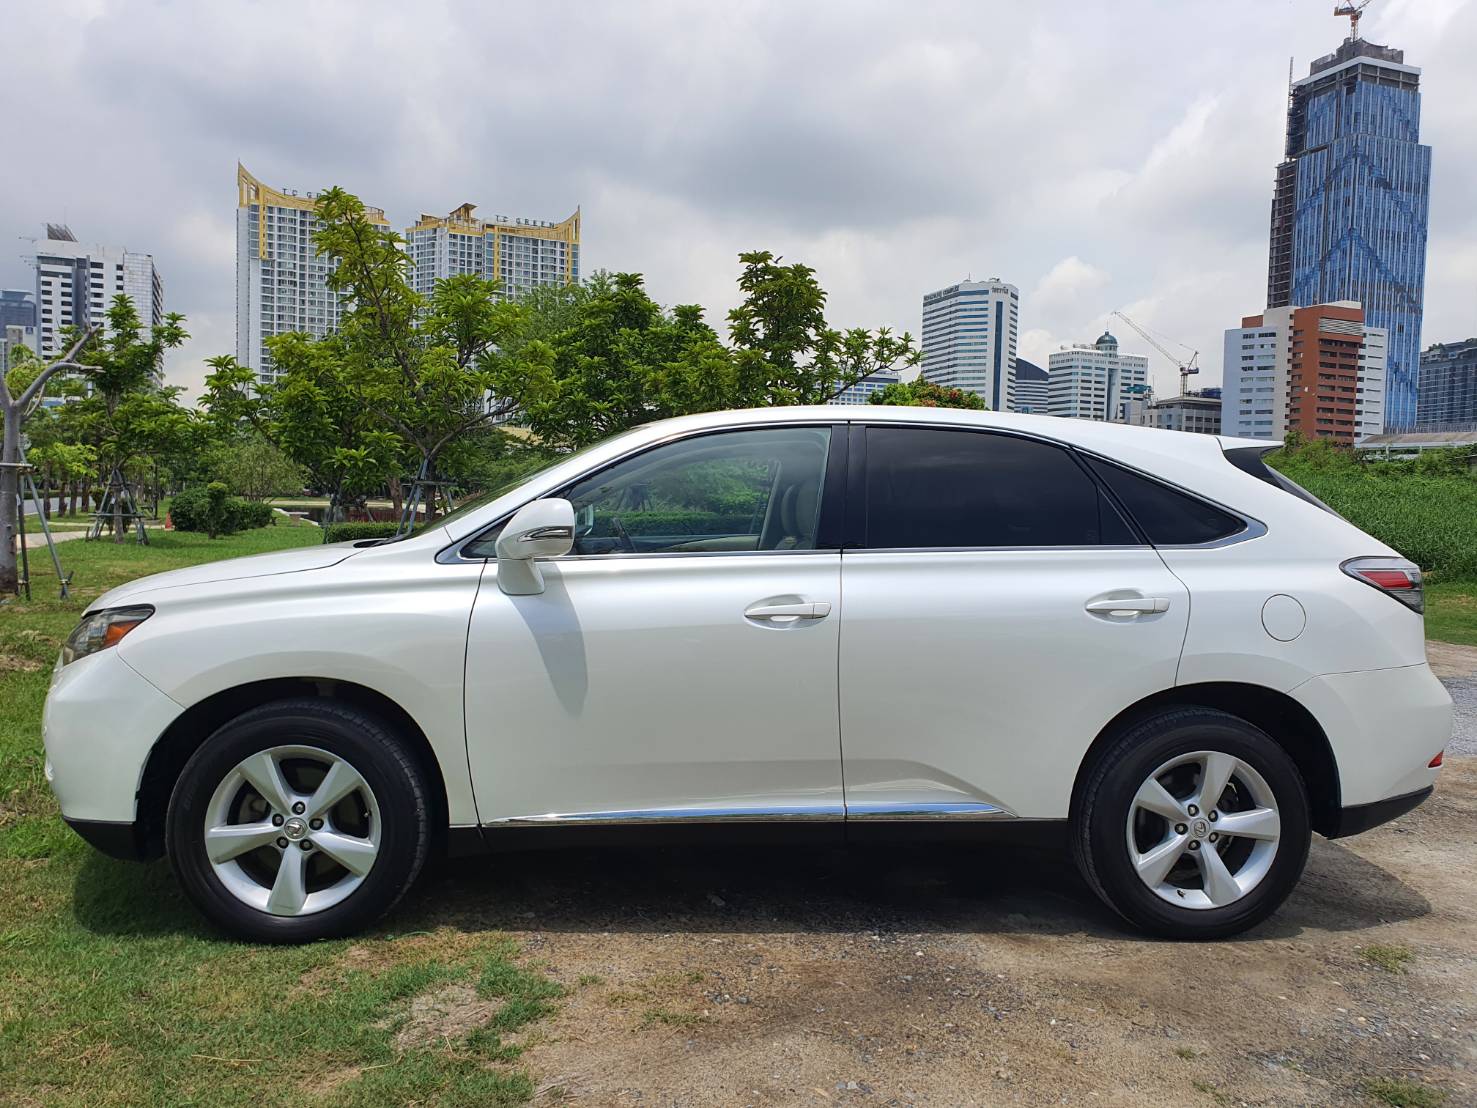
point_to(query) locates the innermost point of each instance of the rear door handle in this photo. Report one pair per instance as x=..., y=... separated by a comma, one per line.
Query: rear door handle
x=788, y=613
x=1129, y=606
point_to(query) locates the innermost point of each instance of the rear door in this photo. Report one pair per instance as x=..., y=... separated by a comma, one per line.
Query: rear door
x=999, y=610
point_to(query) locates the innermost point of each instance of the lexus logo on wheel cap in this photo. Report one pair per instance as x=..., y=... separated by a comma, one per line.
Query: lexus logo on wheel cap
x=1200, y=827
x=295, y=828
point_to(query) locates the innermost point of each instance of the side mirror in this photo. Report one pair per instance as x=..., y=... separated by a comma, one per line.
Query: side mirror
x=541, y=529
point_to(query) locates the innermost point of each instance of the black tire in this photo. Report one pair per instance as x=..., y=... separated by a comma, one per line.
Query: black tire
x=1099, y=827
x=372, y=748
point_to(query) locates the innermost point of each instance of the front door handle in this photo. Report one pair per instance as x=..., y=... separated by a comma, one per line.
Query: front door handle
x=1129, y=606
x=788, y=613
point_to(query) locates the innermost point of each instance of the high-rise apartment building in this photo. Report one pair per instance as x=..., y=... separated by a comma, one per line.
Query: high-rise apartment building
x=520, y=253
x=17, y=324
x=1319, y=371
x=1032, y=392
x=861, y=392
x=281, y=278
x=1096, y=381
x=969, y=335
x=76, y=282
x=1350, y=204
x=1448, y=387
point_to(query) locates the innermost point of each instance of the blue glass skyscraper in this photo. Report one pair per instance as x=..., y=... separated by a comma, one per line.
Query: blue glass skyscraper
x=1351, y=200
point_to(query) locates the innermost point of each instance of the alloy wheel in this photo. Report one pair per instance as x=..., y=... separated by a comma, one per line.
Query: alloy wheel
x=1203, y=830
x=292, y=830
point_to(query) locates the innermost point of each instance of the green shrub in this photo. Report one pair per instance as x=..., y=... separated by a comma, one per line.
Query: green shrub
x=213, y=510
x=354, y=532
x=1427, y=511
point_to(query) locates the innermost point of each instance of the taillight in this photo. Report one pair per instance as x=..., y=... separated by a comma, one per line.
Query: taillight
x=1392, y=576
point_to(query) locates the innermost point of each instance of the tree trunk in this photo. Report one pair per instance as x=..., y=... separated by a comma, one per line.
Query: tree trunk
x=9, y=487
x=397, y=497
x=117, y=506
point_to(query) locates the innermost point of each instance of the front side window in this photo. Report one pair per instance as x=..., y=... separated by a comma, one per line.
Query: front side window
x=928, y=487
x=731, y=491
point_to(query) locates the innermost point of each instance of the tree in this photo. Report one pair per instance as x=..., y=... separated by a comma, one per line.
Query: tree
x=786, y=352
x=21, y=393
x=254, y=468
x=926, y=394
x=621, y=361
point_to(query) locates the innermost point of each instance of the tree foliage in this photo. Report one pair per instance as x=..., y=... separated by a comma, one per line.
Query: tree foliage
x=927, y=394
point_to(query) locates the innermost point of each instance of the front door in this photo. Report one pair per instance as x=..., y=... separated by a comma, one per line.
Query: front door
x=680, y=663
x=999, y=612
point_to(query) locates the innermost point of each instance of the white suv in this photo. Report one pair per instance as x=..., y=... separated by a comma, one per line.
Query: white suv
x=834, y=619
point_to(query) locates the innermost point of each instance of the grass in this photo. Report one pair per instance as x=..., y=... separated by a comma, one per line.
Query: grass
x=1404, y=1093
x=113, y=991
x=1391, y=959
x=1451, y=611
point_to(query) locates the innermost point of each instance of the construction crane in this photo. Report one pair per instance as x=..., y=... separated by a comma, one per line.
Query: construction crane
x=1353, y=11
x=1186, y=366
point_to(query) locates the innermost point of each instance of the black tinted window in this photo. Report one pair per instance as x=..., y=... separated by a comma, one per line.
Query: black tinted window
x=929, y=488
x=1166, y=516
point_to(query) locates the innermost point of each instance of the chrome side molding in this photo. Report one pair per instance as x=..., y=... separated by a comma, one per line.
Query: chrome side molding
x=788, y=814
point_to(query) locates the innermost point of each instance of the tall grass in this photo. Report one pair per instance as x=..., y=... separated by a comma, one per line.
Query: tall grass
x=1426, y=508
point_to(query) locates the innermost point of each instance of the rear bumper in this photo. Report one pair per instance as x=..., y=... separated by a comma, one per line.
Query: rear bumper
x=1361, y=817
x=117, y=840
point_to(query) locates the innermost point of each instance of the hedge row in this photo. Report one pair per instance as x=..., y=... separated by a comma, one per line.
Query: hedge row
x=356, y=532
x=197, y=510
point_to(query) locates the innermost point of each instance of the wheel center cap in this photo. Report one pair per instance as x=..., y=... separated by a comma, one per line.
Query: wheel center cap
x=295, y=828
x=1199, y=827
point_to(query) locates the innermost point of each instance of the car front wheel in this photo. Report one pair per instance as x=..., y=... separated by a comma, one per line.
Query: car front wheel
x=1193, y=825
x=299, y=820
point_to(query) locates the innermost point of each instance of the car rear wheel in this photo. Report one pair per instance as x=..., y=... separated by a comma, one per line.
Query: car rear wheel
x=299, y=820
x=1194, y=824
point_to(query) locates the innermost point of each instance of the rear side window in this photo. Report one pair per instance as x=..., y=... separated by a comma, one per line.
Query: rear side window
x=1167, y=516
x=927, y=487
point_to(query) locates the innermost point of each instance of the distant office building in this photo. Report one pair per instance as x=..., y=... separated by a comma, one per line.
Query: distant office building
x=520, y=253
x=17, y=323
x=1448, y=397
x=861, y=392
x=76, y=284
x=1096, y=381
x=281, y=279
x=1197, y=412
x=1317, y=370
x=1032, y=392
x=969, y=335
x=1350, y=204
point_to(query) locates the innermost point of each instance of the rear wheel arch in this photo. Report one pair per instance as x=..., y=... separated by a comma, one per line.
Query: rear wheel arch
x=1289, y=723
x=198, y=722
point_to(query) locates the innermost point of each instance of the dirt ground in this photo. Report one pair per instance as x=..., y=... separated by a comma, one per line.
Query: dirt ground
x=969, y=975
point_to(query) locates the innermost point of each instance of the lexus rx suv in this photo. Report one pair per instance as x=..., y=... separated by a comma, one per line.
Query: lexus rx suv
x=815, y=619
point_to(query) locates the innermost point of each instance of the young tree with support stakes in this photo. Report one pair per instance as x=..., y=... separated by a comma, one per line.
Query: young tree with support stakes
x=21, y=394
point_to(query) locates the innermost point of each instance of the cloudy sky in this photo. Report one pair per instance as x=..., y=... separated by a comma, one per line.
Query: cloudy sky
x=1098, y=154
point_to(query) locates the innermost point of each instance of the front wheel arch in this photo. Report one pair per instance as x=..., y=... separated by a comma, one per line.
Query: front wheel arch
x=1289, y=723
x=197, y=723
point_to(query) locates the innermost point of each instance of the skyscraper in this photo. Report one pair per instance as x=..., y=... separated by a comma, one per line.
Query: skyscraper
x=1448, y=387
x=281, y=279
x=1350, y=203
x=1096, y=381
x=521, y=253
x=1319, y=371
x=76, y=282
x=969, y=333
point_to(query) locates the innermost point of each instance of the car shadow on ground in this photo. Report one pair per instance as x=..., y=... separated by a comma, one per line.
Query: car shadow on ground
x=953, y=888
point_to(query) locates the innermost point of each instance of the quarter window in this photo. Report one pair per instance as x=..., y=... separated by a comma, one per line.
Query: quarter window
x=728, y=492
x=1167, y=516
x=927, y=487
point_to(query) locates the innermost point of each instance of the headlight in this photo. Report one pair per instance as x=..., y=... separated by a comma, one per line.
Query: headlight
x=100, y=630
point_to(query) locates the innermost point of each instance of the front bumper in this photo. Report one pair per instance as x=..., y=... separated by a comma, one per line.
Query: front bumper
x=117, y=840
x=1361, y=817
x=100, y=723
